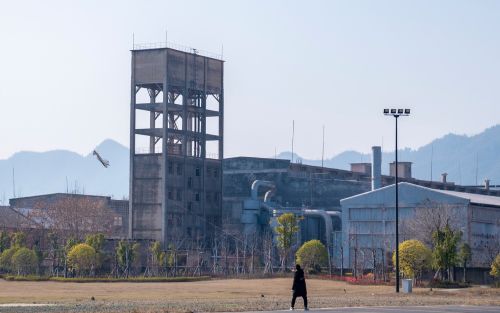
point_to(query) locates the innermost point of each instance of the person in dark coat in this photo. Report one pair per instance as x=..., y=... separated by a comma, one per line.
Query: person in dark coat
x=299, y=287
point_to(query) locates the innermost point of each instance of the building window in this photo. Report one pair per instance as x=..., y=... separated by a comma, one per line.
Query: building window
x=208, y=171
x=188, y=230
x=216, y=197
x=170, y=168
x=117, y=221
x=216, y=173
x=179, y=169
x=190, y=206
x=179, y=195
x=179, y=221
x=170, y=195
x=197, y=197
x=208, y=197
x=197, y=171
x=190, y=182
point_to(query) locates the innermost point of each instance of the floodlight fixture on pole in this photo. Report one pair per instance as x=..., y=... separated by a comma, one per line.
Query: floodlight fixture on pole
x=397, y=113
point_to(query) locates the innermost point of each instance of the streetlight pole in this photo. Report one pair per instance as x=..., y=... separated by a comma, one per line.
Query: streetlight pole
x=396, y=113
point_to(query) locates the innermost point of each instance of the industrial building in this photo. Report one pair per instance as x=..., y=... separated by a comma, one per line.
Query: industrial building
x=368, y=222
x=177, y=112
x=257, y=190
x=22, y=211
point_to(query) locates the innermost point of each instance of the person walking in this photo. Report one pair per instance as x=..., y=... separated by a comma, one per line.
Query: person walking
x=299, y=287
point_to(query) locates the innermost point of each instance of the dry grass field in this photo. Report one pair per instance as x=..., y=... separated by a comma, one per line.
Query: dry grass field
x=220, y=295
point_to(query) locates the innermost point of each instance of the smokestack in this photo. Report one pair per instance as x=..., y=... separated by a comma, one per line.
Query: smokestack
x=443, y=177
x=487, y=184
x=376, y=167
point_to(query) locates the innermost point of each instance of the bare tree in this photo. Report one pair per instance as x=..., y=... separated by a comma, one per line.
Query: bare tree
x=430, y=217
x=74, y=216
x=491, y=247
x=267, y=251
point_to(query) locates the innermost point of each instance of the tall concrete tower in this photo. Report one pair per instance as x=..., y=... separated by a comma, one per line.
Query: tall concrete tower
x=176, y=144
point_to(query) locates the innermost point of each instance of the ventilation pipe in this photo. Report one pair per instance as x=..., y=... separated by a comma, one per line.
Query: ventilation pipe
x=443, y=177
x=487, y=184
x=260, y=183
x=376, y=167
x=269, y=194
x=326, y=218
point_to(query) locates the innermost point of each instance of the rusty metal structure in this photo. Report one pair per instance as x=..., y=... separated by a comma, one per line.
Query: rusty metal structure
x=177, y=106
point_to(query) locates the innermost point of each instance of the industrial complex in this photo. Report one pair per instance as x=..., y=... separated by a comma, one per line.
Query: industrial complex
x=184, y=192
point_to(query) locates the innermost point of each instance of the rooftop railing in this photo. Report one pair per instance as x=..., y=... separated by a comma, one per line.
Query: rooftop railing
x=163, y=44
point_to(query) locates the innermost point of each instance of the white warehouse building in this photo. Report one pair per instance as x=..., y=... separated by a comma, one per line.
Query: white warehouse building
x=368, y=222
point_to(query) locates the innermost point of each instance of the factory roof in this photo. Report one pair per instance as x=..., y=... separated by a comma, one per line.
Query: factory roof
x=473, y=197
x=470, y=197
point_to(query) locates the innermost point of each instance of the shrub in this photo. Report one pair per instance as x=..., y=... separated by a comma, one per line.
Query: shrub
x=97, y=241
x=495, y=267
x=82, y=257
x=18, y=239
x=414, y=257
x=24, y=261
x=312, y=255
x=6, y=258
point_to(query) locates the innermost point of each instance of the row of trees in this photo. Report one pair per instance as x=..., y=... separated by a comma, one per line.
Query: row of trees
x=64, y=255
x=73, y=248
x=15, y=256
x=76, y=257
x=447, y=252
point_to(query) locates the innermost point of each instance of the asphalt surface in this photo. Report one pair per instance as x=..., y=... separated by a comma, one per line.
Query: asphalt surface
x=406, y=309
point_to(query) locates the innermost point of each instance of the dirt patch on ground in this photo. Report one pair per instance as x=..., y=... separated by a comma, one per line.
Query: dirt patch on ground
x=222, y=295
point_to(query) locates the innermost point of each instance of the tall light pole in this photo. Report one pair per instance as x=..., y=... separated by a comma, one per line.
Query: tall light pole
x=397, y=113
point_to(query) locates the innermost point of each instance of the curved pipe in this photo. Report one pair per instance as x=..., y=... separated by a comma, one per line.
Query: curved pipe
x=260, y=183
x=270, y=193
x=334, y=213
x=326, y=218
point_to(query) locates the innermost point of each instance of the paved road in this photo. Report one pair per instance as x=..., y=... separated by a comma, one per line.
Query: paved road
x=408, y=309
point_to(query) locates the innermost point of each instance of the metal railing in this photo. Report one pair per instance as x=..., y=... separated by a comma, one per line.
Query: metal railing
x=163, y=44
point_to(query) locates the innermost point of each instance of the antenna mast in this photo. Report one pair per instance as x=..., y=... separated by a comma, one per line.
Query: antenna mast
x=477, y=165
x=432, y=157
x=13, y=182
x=293, y=135
x=323, y=148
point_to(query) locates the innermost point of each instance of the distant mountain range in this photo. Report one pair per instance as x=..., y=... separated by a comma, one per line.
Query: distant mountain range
x=62, y=170
x=59, y=171
x=466, y=159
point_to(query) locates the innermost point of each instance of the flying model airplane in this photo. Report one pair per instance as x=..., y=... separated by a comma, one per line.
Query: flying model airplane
x=104, y=162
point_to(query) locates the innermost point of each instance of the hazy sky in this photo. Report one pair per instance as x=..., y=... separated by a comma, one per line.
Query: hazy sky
x=65, y=70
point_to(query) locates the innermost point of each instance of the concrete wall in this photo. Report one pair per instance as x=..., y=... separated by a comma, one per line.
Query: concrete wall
x=189, y=215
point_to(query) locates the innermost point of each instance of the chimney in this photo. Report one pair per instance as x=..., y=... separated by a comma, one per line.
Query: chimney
x=376, y=167
x=364, y=168
x=443, y=177
x=404, y=169
x=487, y=184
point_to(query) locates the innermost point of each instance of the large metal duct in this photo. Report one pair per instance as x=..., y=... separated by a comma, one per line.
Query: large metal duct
x=376, y=167
x=260, y=183
x=326, y=218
